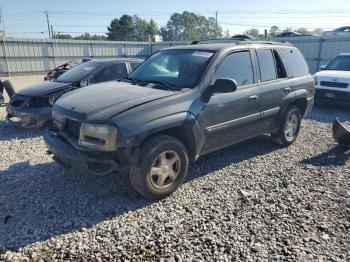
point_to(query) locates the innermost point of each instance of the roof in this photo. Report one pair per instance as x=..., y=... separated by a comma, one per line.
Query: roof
x=219, y=46
x=117, y=59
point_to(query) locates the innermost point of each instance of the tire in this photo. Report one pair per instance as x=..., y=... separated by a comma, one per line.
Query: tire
x=283, y=137
x=162, y=167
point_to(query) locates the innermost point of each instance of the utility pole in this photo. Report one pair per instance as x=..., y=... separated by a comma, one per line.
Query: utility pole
x=52, y=33
x=216, y=18
x=48, y=23
x=2, y=23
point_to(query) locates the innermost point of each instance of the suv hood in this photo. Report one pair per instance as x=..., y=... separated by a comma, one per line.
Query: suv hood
x=43, y=88
x=333, y=80
x=103, y=101
x=333, y=74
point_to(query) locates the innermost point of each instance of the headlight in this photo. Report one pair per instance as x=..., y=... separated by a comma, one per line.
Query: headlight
x=98, y=136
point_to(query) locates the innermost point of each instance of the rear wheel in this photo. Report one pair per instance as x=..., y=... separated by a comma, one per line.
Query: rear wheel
x=162, y=168
x=290, y=127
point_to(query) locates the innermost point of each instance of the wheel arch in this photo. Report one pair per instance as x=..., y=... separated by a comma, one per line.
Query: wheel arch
x=183, y=127
x=300, y=103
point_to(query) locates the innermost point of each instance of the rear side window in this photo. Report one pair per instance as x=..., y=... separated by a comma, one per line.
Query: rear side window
x=237, y=66
x=281, y=70
x=296, y=61
x=134, y=66
x=266, y=65
x=111, y=72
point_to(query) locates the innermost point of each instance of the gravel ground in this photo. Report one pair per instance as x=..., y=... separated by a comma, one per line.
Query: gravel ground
x=252, y=201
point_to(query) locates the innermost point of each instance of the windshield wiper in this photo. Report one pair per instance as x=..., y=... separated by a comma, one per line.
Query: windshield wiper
x=133, y=80
x=161, y=83
x=61, y=81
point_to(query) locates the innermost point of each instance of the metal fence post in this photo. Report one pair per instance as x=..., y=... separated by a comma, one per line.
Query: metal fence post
x=92, y=49
x=319, y=53
x=53, y=53
x=150, y=47
x=6, y=57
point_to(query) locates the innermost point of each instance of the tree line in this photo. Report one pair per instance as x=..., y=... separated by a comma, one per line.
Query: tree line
x=275, y=30
x=180, y=27
x=185, y=26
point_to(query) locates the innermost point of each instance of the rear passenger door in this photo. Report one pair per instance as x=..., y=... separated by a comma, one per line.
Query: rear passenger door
x=110, y=72
x=232, y=117
x=274, y=85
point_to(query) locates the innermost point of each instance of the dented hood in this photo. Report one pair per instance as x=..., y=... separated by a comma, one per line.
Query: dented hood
x=103, y=101
x=43, y=88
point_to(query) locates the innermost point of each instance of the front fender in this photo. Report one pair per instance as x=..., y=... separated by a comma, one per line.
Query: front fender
x=184, y=121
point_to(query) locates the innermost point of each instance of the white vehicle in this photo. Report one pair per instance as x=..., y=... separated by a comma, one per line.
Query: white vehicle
x=333, y=81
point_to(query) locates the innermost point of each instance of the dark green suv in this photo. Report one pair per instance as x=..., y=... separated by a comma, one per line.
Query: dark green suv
x=180, y=104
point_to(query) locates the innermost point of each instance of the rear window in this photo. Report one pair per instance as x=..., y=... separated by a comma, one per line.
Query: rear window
x=296, y=61
x=266, y=65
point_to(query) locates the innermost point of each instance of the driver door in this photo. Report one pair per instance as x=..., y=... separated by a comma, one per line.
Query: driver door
x=231, y=117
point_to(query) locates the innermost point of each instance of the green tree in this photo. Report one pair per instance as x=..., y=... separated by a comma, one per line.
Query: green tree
x=302, y=31
x=62, y=36
x=253, y=32
x=140, y=29
x=134, y=28
x=190, y=26
x=317, y=31
x=153, y=29
x=121, y=29
x=88, y=36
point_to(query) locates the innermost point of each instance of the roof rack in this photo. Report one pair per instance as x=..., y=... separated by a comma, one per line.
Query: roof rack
x=239, y=41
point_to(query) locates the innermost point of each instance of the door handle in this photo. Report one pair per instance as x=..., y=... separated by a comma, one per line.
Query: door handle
x=287, y=90
x=253, y=98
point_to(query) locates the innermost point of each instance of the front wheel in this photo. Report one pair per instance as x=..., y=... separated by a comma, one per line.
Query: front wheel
x=290, y=127
x=162, y=167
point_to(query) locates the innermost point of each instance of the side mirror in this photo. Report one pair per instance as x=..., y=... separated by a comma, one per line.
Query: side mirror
x=220, y=86
x=323, y=67
x=223, y=85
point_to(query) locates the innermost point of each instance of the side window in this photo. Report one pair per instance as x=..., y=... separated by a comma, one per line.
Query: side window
x=281, y=70
x=111, y=72
x=266, y=65
x=296, y=61
x=237, y=66
x=134, y=66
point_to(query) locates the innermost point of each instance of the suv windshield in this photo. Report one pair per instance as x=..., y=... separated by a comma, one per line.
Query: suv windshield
x=341, y=63
x=178, y=68
x=77, y=73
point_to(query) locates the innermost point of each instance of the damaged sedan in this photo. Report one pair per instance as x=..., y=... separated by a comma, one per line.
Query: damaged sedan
x=31, y=106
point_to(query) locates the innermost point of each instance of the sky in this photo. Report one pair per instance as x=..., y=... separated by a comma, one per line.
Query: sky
x=26, y=18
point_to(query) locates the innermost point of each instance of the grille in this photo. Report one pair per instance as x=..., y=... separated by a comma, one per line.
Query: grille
x=39, y=102
x=334, y=84
x=73, y=128
x=17, y=102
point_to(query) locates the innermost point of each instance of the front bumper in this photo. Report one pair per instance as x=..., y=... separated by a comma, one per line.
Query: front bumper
x=330, y=95
x=69, y=157
x=28, y=117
